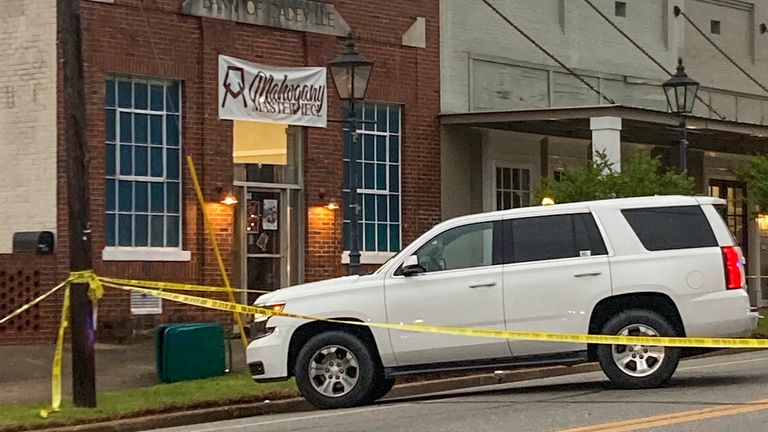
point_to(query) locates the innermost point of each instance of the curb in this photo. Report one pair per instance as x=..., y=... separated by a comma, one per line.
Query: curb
x=231, y=412
x=185, y=418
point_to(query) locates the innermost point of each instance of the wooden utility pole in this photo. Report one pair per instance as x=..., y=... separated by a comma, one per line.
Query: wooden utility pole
x=81, y=321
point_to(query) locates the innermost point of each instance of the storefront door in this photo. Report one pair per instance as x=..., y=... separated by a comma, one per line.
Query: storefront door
x=269, y=218
x=268, y=230
x=735, y=211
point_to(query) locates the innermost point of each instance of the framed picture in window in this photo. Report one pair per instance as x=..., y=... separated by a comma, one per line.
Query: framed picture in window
x=269, y=222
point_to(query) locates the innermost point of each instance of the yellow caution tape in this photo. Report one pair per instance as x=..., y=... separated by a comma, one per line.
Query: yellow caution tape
x=95, y=292
x=176, y=286
x=97, y=284
x=56, y=367
x=463, y=331
x=95, y=288
x=215, y=245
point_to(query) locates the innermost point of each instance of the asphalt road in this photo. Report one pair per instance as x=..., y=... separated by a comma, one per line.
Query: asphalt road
x=722, y=393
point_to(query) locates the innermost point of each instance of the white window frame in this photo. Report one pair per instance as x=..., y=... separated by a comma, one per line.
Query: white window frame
x=491, y=184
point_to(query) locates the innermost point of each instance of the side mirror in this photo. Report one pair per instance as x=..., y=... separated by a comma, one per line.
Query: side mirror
x=411, y=266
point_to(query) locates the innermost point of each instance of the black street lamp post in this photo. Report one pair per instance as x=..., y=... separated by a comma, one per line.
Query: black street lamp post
x=350, y=72
x=681, y=94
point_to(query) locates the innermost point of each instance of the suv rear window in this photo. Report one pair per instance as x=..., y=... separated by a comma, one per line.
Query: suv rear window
x=666, y=228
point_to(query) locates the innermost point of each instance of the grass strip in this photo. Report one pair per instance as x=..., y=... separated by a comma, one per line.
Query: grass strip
x=205, y=393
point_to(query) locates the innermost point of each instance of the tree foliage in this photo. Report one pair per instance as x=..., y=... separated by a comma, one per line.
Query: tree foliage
x=598, y=180
x=755, y=174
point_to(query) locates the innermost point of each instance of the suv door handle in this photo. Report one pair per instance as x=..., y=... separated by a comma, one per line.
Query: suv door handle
x=483, y=285
x=595, y=273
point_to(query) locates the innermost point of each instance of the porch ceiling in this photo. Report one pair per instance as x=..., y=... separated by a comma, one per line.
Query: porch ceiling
x=639, y=125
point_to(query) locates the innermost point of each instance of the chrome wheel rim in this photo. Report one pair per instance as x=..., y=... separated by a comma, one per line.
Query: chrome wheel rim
x=333, y=371
x=638, y=360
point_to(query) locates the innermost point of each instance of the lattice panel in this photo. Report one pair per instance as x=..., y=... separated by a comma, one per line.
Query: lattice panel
x=18, y=287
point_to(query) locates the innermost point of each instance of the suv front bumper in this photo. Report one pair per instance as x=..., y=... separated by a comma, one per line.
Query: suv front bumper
x=267, y=357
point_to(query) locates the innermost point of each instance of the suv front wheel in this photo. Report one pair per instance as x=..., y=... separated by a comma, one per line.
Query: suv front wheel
x=638, y=366
x=336, y=369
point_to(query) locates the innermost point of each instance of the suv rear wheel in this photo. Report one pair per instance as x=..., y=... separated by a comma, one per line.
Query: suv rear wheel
x=638, y=366
x=336, y=369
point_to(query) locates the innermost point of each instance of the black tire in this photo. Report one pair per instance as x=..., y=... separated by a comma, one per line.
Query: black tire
x=367, y=372
x=661, y=370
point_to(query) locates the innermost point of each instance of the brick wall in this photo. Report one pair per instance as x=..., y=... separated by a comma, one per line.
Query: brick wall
x=131, y=37
x=27, y=118
x=405, y=75
x=24, y=277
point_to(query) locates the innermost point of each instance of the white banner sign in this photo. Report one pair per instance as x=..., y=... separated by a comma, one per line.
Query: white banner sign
x=250, y=91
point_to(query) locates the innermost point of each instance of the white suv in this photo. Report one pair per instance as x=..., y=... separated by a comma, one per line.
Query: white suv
x=639, y=266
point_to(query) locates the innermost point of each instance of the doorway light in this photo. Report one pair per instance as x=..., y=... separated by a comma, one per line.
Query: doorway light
x=230, y=199
x=762, y=222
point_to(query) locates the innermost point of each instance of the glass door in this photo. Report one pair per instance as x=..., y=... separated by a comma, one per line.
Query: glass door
x=268, y=240
x=262, y=241
x=735, y=211
x=269, y=225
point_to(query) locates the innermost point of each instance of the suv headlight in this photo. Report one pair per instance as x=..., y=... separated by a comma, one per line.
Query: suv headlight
x=259, y=327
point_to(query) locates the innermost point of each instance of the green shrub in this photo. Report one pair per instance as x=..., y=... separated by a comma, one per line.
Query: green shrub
x=643, y=176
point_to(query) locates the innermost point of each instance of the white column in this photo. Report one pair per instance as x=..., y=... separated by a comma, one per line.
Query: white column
x=606, y=137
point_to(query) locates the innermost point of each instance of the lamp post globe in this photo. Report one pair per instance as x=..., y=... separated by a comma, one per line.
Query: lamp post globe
x=680, y=91
x=351, y=72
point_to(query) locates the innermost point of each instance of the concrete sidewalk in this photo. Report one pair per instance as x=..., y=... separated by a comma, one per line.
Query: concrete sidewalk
x=25, y=371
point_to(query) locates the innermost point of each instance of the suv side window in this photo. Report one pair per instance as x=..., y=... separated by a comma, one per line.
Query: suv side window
x=596, y=243
x=552, y=237
x=666, y=228
x=458, y=248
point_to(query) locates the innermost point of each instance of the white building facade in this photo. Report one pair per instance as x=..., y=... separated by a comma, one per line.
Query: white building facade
x=27, y=118
x=511, y=115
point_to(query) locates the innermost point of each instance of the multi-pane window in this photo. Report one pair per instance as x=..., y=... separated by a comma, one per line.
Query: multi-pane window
x=378, y=178
x=735, y=212
x=513, y=188
x=143, y=162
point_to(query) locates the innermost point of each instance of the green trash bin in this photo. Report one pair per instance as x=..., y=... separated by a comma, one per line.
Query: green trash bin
x=189, y=351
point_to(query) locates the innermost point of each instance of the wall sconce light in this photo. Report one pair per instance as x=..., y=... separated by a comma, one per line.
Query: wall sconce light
x=547, y=201
x=230, y=199
x=330, y=205
x=763, y=28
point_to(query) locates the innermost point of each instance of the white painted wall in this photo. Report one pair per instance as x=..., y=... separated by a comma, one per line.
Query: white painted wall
x=487, y=65
x=508, y=149
x=461, y=169
x=27, y=118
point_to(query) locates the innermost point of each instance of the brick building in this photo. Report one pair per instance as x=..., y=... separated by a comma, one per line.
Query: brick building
x=152, y=90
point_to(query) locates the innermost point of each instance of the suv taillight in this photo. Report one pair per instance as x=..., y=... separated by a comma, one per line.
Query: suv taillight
x=734, y=267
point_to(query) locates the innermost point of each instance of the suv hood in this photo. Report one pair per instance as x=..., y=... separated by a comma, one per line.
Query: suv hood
x=321, y=287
